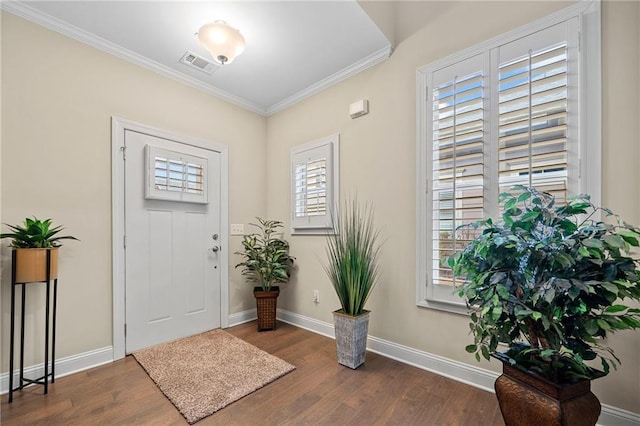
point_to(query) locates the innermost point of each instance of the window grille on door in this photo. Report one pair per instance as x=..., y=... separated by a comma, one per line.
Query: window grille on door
x=175, y=176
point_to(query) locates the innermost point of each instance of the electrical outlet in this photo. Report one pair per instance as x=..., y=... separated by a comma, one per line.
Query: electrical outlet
x=316, y=296
x=237, y=229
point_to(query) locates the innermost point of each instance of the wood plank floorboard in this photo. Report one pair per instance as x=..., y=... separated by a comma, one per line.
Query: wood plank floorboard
x=319, y=392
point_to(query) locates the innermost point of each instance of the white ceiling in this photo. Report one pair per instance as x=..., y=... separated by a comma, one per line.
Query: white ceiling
x=294, y=48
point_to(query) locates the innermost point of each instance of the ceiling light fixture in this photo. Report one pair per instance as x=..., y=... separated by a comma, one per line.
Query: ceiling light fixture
x=221, y=40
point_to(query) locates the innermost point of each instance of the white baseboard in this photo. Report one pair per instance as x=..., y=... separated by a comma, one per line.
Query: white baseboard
x=461, y=372
x=242, y=317
x=319, y=327
x=64, y=366
x=612, y=416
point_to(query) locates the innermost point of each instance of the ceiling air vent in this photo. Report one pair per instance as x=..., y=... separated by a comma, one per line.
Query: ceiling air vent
x=198, y=62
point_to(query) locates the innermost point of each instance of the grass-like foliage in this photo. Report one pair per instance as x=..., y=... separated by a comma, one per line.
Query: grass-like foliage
x=35, y=233
x=266, y=256
x=551, y=277
x=353, y=257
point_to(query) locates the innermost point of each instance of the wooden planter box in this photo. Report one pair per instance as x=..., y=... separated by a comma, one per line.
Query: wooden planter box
x=266, y=304
x=31, y=264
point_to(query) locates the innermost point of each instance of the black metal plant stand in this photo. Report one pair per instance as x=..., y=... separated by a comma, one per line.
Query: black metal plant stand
x=48, y=325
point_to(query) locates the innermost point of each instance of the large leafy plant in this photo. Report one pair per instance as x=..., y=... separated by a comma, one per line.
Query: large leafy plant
x=266, y=256
x=547, y=280
x=35, y=233
x=353, y=257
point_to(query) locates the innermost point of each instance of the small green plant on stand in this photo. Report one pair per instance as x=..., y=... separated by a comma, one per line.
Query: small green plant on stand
x=35, y=233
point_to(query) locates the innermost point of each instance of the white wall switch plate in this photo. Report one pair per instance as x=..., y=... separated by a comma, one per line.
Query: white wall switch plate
x=237, y=229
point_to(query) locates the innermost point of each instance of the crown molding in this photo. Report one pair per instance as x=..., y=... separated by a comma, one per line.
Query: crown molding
x=345, y=73
x=27, y=12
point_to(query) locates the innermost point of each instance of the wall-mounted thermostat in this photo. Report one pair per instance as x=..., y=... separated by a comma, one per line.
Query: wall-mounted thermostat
x=359, y=108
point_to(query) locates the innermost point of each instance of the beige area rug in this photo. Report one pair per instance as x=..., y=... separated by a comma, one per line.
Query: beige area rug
x=204, y=373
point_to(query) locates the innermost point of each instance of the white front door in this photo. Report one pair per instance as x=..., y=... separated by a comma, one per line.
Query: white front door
x=172, y=257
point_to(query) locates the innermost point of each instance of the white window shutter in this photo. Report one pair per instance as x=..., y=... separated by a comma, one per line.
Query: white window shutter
x=314, y=185
x=534, y=124
x=458, y=138
x=175, y=176
x=508, y=111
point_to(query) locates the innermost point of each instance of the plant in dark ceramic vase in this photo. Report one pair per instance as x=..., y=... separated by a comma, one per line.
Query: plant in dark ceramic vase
x=549, y=281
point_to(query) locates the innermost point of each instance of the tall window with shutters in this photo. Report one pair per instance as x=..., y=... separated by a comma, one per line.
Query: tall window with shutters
x=506, y=112
x=314, y=185
x=458, y=165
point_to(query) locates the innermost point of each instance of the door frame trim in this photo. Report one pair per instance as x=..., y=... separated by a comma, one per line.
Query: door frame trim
x=118, y=128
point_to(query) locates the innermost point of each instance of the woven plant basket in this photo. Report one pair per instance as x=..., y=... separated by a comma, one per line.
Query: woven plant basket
x=266, y=304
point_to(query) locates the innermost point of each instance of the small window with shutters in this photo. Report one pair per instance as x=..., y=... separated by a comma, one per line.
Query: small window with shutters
x=314, y=185
x=175, y=176
x=503, y=113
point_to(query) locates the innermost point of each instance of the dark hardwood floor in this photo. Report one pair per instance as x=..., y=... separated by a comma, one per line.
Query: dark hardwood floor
x=319, y=391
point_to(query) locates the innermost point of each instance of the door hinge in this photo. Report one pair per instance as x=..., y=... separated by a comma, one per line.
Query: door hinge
x=124, y=152
x=125, y=330
x=124, y=241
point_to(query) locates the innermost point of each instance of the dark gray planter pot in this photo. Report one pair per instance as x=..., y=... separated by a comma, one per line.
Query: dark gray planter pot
x=351, y=338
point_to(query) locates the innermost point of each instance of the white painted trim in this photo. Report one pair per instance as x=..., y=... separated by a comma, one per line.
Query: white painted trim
x=64, y=366
x=118, y=127
x=371, y=60
x=241, y=317
x=311, y=324
x=612, y=416
x=591, y=101
x=45, y=20
x=316, y=225
x=455, y=370
x=588, y=140
x=117, y=235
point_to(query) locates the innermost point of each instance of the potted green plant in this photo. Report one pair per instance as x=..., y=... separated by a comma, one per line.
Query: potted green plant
x=547, y=281
x=31, y=242
x=266, y=262
x=353, y=270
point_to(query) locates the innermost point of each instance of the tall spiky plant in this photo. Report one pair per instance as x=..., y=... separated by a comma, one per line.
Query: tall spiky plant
x=353, y=257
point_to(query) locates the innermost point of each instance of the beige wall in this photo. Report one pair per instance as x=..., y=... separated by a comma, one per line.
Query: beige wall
x=58, y=97
x=378, y=154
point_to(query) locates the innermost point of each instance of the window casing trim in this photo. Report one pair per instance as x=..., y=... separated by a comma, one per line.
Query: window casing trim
x=332, y=194
x=589, y=128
